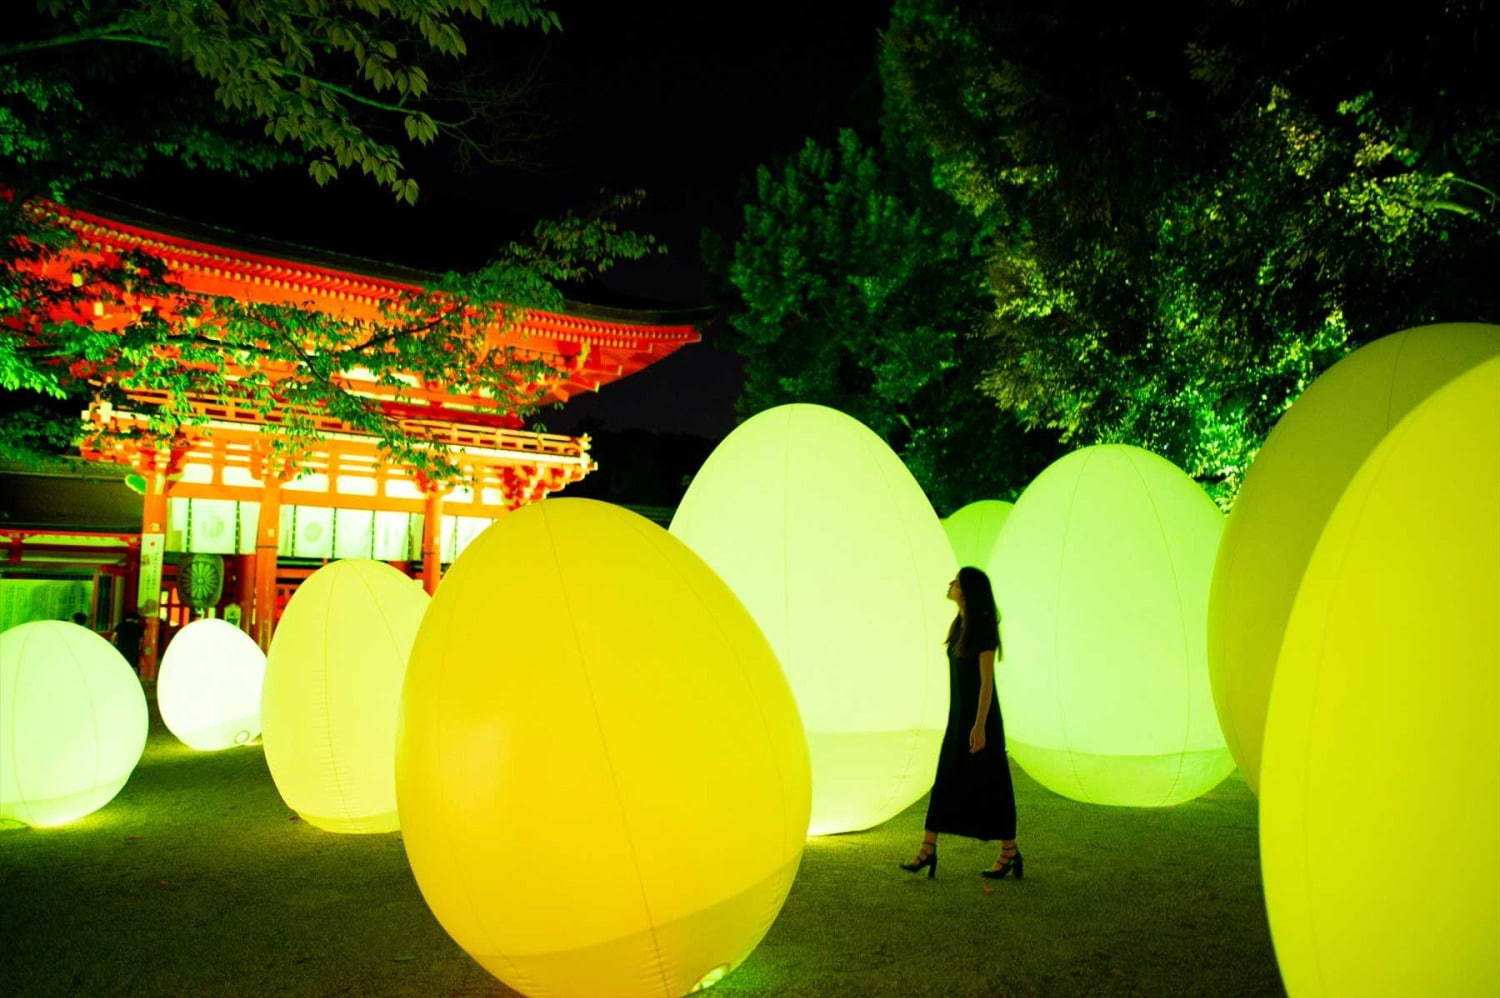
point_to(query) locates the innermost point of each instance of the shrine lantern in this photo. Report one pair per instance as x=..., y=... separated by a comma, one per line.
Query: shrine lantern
x=209, y=687
x=333, y=685
x=72, y=722
x=1299, y=474
x=1101, y=575
x=602, y=776
x=832, y=546
x=1381, y=739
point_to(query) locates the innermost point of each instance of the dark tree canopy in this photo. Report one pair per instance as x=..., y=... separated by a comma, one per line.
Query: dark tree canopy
x=1192, y=210
x=98, y=90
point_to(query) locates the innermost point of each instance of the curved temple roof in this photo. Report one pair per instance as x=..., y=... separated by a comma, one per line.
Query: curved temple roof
x=589, y=347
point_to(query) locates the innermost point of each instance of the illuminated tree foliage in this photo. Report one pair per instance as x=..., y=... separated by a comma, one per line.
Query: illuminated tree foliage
x=99, y=90
x=1193, y=210
x=857, y=289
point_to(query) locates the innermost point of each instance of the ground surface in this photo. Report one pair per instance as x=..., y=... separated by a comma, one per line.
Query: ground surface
x=196, y=880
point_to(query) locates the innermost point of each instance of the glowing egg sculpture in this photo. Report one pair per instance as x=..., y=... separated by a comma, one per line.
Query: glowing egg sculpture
x=333, y=690
x=1103, y=684
x=209, y=686
x=833, y=548
x=1381, y=741
x=973, y=530
x=72, y=722
x=603, y=781
x=1288, y=494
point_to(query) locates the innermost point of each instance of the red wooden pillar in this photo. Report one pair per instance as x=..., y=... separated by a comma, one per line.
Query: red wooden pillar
x=432, y=536
x=153, y=546
x=267, y=542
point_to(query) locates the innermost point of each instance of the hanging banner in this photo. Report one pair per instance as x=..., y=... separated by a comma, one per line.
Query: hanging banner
x=148, y=591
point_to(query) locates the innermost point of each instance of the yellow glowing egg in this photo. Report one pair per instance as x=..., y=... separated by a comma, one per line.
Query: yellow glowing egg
x=72, y=722
x=1103, y=684
x=208, y=689
x=603, y=781
x=831, y=545
x=332, y=691
x=1300, y=472
x=973, y=530
x=1380, y=782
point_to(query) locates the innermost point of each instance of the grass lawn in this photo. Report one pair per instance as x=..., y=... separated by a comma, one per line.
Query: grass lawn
x=197, y=880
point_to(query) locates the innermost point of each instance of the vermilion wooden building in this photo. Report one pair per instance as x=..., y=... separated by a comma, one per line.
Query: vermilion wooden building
x=229, y=464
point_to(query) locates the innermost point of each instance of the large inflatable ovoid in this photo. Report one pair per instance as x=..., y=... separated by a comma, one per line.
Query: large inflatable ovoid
x=603, y=781
x=1103, y=684
x=332, y=692
x=1290, y=490
x=973, y=530
x=72, y=722
x=209, y=686
x=1380, y=783
x=832, y=546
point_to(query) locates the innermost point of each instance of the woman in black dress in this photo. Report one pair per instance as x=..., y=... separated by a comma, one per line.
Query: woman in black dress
x=972, y=793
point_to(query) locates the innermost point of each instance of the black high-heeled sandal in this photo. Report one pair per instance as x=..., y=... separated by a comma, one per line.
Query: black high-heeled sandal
x=1011, y=863
x=925, y=857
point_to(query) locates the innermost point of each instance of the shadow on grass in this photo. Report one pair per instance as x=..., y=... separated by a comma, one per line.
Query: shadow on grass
x=197, y=880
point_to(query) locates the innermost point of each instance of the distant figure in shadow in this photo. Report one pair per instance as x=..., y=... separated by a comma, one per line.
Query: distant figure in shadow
x=972, y=793
x=81, y=619
x=128, y=638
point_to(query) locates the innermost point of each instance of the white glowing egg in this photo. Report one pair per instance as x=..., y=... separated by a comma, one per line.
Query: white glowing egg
x=209, y=686
x=72, y=722
x=332, y=692
x=833, y=548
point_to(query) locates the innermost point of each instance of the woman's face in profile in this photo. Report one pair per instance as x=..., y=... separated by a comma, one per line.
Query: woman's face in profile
x=954, y=593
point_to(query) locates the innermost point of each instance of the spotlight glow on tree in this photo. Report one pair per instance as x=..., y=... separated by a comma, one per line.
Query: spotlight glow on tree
x=72, y=722
x=1103, y=684
x=972, y=530
x=603, y=782
x=208, y=690
x=1288, y=494
x=1381, y=742
x=831, y=545
x=332, y=692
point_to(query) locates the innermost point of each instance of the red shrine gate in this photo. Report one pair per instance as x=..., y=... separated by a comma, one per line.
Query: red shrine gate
x=231, y=458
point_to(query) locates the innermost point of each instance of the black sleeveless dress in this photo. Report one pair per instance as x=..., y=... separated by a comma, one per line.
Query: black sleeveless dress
x=972, y=794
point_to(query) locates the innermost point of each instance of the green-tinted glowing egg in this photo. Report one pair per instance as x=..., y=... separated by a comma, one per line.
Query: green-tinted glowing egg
x=1103, y=684
x=973, y=530
x=208, y=690
x=332, y=692
x=1298, y=476
x=72, y=722
x=1380, y=781
x=833, y=548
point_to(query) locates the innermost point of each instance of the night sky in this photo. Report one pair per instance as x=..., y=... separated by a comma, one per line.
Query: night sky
x=680, y=99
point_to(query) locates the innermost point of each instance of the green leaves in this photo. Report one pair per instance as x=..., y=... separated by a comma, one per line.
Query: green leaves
x=324, y=80
x=859, y=289
x=1187, y=220
x=288, y=360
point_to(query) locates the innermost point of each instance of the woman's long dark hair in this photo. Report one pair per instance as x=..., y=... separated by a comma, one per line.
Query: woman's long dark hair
x=977, y=626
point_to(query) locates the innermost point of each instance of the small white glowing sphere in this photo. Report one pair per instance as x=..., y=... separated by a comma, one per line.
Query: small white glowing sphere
x=1382, y=740
x=1288, y=494
x=831, y=545
x=1101, y=575
x=585, y=691
x=209, y=686
x=973, y=530
x=72, y=722
x=332, y=692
